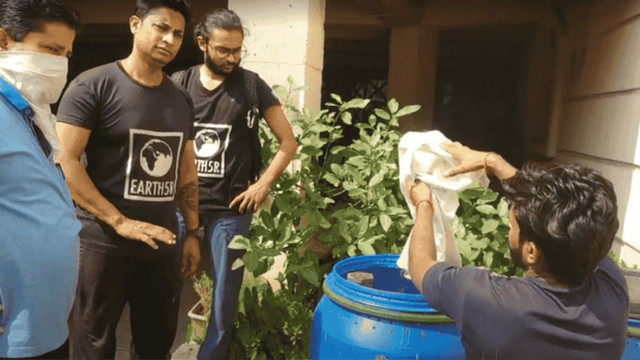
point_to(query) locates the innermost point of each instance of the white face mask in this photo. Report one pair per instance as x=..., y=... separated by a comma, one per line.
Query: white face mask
x=38, y=76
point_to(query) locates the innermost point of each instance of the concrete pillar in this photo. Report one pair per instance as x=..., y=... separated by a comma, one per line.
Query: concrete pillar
x=285, y=38
x=412, y=73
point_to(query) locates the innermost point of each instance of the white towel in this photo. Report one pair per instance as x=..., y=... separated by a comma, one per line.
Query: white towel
x=421, y=157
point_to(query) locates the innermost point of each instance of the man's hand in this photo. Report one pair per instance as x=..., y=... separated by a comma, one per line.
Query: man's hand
x=143, y=231
x=418, y=192
x=190, y=256
x=469, y=160
x=1, y=328
x=250, y=199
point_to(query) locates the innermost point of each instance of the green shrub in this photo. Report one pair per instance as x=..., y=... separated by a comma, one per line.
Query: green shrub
x=346, y=198
x=481, y=230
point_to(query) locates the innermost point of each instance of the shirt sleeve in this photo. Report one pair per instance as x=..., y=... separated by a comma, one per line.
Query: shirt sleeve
x=78, y=106
x=608, y=267
x=445, y=287
x=266, y=98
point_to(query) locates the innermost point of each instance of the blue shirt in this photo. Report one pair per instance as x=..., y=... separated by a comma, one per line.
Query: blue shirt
x=502, y=317
x=38, y=237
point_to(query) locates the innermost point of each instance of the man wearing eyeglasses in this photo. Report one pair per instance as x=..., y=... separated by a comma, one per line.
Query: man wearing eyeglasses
x=228, y=101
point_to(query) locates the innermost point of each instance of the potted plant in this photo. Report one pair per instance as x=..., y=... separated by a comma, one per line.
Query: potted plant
x=199, y=313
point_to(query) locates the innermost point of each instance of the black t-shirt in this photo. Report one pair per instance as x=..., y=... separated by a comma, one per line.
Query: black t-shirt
x=503, y=317
x=133, y=153
x=223, y=137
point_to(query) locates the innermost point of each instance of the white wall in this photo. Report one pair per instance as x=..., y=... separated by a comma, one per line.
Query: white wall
x=601, y=113
x=285, y=38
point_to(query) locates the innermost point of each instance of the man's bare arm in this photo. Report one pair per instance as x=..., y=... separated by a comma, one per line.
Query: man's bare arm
x=187, y=198
x=422, y=247
x=251, y=199
x=73, y=140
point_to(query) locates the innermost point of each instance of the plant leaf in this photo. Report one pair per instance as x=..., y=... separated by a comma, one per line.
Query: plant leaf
x=408, y=110
x=382, y=114
x=486, y=209
x=239, y=243
x=489, y=225
x=376, y=179
x=385, y=221
x=366, y=248
x=393, y=105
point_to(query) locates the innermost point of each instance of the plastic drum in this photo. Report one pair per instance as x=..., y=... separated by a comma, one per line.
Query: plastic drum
x=387, y=320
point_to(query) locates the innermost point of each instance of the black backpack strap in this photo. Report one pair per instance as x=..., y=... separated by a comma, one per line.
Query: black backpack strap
x=249, y=80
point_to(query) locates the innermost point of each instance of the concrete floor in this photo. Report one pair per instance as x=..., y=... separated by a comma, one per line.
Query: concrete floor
x=123, y=333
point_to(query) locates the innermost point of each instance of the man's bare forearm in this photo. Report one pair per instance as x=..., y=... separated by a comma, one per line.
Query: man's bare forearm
x=188, y=204
x=499, y=166
x=187, y=196
x=87, y=196
x=422, y=248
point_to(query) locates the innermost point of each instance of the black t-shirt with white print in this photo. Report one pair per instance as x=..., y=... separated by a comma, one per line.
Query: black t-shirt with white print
x=223, y=137
x=133, y=153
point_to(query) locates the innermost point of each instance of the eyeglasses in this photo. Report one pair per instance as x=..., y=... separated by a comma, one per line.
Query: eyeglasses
x=225, y=52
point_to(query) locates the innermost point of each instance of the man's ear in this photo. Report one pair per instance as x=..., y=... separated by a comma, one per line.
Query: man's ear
x=531, y=253
x=134, y=24
x=4, y=39
x=202, y=43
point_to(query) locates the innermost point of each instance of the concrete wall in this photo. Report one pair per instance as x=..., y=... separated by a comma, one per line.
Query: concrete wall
x=119, y=11
x=285, y=38
x=601, y=109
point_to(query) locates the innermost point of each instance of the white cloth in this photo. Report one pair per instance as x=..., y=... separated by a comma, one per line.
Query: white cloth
x=40, y=78
x=421, y=157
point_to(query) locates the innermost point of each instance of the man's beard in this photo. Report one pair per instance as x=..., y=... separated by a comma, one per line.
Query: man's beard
x=217, y=69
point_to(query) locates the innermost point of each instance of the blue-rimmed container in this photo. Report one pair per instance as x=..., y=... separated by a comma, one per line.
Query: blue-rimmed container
x=388, y=320
x=632, y=350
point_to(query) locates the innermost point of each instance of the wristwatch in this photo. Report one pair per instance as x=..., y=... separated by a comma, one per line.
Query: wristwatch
x=197, y=233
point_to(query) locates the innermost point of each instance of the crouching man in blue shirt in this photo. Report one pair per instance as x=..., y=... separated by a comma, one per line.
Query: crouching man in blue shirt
x=38, y=229
x=572, y=302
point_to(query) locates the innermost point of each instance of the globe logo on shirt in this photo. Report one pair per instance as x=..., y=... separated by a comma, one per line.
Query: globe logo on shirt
x=207, y=143
x=156, y=158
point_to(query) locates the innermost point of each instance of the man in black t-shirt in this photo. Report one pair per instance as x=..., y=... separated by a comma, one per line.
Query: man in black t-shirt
x=572, y=302
x=227, y=100
x=136, y=128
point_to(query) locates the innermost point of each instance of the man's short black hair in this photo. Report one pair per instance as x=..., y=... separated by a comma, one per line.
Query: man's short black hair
x=569, y=211
x=143, y=7
x=20, y=17
x=218, y=19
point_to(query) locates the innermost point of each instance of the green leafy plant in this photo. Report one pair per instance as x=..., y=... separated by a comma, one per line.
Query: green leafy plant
x=342, y=199
x=203, y=285
x=482, y=230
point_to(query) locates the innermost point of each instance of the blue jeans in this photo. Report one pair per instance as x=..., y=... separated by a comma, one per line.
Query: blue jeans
x=220, y=230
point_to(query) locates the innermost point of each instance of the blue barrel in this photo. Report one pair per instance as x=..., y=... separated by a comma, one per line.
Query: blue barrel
x=389, y=320
x=632, y=349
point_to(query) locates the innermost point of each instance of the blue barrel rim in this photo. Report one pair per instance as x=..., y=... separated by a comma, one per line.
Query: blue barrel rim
x=381, y=303
x=633, y=328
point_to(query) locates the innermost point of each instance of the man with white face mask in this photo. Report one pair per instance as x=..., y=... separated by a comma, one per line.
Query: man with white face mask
x=38, y=228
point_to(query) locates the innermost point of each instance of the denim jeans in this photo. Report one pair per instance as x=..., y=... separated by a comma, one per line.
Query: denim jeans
x=220, y=230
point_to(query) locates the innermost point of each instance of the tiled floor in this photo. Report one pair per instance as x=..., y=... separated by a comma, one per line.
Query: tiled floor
x=123, y=333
